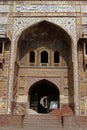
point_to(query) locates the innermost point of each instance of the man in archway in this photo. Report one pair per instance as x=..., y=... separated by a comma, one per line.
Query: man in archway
x=45, y=103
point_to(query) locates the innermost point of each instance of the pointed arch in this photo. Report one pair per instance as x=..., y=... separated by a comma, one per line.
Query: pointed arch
x=44, y=57
x=43, y=95
x=45, y=33
x=32, y=56
x=56, y=57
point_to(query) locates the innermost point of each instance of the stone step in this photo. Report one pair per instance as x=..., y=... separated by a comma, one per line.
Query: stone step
x=42, y=128
x=42, y=122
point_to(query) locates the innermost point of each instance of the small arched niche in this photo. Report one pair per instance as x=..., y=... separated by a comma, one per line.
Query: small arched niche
x=32, y=58
x=44, y=57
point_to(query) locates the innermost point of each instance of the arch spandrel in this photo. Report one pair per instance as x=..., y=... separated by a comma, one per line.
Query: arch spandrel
x=45, y=34
x=67, y=24
x=32, y=81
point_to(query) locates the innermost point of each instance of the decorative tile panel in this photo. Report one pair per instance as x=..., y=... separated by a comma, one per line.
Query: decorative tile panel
x=84, y=20
x=84, y=8
x=3, y=20
x=44, y=8
x=4, y=8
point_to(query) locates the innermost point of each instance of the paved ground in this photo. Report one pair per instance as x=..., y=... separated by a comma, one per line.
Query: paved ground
x=34, y=128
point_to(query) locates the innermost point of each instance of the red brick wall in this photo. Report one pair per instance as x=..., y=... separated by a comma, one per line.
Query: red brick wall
x=10, y=120
x=74, y=121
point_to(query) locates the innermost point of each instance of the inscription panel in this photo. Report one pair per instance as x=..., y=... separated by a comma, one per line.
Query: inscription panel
x=44, y=8
x=43, y=72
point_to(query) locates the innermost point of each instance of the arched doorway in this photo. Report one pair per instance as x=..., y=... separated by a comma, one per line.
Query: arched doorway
x=44, y=96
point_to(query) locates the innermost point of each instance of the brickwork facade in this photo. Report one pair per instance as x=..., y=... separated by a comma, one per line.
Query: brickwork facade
x=43, y=27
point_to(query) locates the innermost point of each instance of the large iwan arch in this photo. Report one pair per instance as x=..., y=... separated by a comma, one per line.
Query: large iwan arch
x=52, y=38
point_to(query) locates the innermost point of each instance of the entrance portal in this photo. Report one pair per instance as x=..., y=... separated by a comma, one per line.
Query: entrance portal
x=44, y=96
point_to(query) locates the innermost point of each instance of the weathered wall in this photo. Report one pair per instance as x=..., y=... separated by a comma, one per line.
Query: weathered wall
x=15, y=16
x=4, y=68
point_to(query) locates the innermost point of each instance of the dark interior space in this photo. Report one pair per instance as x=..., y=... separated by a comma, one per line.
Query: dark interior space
x=32, y=57
x=42, y=94
x=44, y=57
x=0, y=47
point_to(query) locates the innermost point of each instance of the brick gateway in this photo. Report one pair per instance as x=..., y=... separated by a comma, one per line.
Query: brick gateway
x=43, y=52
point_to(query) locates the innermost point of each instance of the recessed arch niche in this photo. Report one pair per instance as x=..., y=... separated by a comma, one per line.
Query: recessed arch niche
x=43, y=95
x=45, y=34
